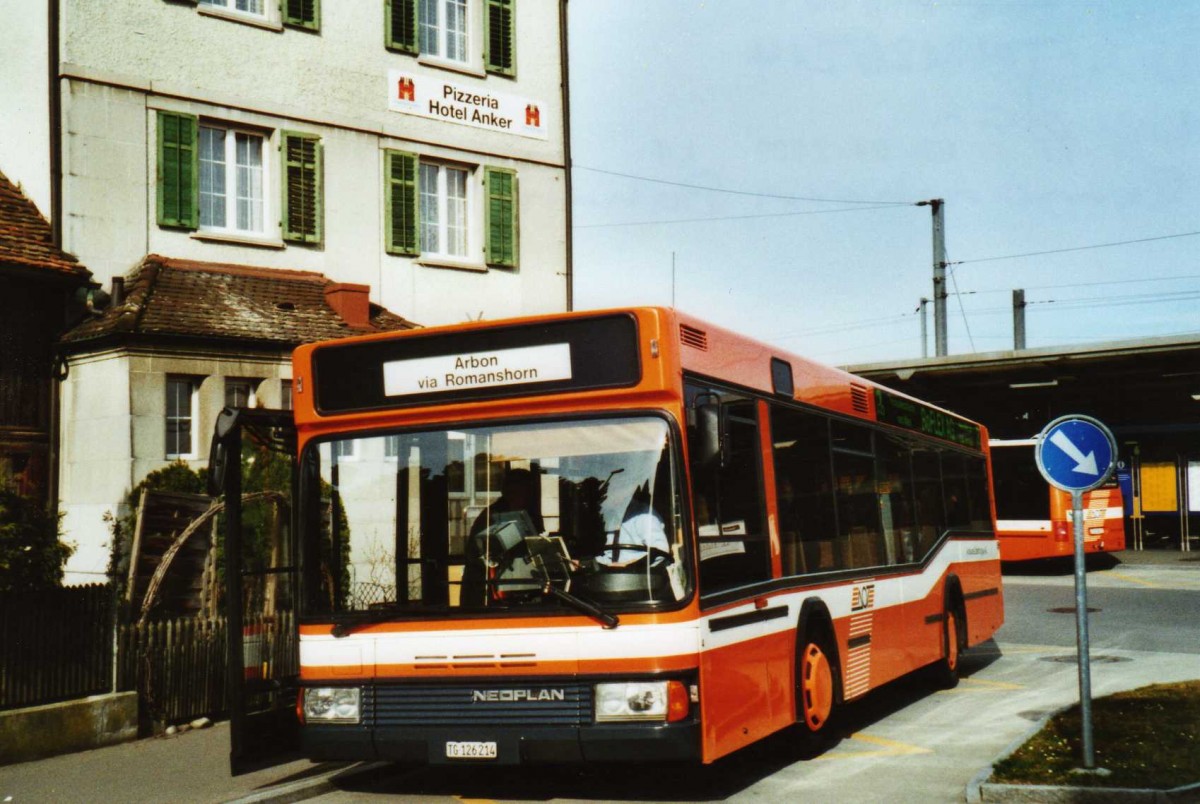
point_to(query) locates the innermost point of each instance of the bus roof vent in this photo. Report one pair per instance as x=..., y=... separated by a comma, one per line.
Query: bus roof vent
x=696, y=338
x=858, y=398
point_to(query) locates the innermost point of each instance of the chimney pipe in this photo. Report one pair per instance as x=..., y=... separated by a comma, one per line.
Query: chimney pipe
x=118, y=291
x=351, y=302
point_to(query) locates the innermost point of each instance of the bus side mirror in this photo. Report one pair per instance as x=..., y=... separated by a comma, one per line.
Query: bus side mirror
x=218, y=451
x=710, y=434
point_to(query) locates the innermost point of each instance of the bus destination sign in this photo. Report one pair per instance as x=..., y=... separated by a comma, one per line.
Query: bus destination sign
x=912, y=415
x=437, y=367
x=528, y=364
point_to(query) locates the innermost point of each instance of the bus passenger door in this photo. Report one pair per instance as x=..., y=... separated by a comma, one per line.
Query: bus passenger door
x=252, y=466
x=744, y=668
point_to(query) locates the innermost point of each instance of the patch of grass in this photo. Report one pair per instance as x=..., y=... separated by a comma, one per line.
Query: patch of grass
x=1148, y=737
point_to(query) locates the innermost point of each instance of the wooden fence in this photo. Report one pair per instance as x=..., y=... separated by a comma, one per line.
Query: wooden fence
x=55, y=644
x=58, y=644
x=179, y=666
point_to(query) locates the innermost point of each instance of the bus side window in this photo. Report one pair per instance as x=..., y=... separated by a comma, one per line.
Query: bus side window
x=927, y=489
x=895, y=489
x=804, y=490
x=860, y=532
x=727, y=496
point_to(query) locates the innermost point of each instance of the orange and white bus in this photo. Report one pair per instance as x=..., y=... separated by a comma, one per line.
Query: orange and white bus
x=619, y=535
x=1033, y=519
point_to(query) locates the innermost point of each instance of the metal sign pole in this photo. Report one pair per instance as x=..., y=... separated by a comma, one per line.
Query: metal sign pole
x=1077, y=454
x=1081, y=634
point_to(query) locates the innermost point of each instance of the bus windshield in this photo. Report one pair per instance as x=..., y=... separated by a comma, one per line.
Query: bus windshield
x=505, y=517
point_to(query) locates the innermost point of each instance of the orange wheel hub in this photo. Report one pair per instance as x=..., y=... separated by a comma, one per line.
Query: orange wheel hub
x=816, y=687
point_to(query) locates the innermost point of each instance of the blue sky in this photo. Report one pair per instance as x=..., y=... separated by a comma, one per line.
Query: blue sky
x=1043, y=125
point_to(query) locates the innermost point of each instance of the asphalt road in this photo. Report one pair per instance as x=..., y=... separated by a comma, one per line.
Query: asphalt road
x=903, y=742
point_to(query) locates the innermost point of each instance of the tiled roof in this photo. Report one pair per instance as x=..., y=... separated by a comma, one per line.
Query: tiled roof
x=173, y=298
x=25, y=238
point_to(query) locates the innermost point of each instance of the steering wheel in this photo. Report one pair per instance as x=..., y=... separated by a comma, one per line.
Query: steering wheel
x=651, y=552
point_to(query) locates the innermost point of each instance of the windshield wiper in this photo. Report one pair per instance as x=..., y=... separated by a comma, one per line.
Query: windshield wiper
x=607, y=619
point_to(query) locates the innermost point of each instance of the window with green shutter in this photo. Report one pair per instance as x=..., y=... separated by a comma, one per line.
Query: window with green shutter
x=178, y=164
x=302, y=14
x=401, y=192
x=500, y=217
x=400, y=25
x=501, y=54
x=302, y=193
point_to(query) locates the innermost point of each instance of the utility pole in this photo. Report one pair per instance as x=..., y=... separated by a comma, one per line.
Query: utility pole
x=924, y=328
x=938, y=206
x=1019, y=319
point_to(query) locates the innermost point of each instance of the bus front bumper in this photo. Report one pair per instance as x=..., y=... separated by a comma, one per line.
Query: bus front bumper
x=640, y=742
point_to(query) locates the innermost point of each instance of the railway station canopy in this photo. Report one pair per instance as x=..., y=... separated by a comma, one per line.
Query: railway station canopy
x=1147, y=391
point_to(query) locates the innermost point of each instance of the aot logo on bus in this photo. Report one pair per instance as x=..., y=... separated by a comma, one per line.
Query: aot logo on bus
x=862, y=597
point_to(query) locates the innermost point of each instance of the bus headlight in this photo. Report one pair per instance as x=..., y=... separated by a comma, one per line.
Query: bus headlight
x=332, y=705
x=641, y=700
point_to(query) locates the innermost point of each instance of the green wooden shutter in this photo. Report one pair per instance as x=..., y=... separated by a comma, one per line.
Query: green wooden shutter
x=402, y=199
x=302, y=14
x=178, y=170
x=303, y=208
x=500, y=217
x=400, y=25
x=500, y=56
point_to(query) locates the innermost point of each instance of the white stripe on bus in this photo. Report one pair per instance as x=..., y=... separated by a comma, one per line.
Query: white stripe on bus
x=571, y=643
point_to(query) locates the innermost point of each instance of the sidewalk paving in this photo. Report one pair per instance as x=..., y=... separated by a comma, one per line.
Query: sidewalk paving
x=188, y=767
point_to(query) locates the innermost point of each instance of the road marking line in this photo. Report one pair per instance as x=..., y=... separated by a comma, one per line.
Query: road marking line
x=1131, y=579
x=892, y=748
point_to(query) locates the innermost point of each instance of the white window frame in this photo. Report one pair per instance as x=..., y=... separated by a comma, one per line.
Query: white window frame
x=236, y=7
x=472, y=50
x=192, y=418
x=287, y=399
x=251, y=384
x=350, y=446
x=471, y=227
x=391, y=447
x=269, y=228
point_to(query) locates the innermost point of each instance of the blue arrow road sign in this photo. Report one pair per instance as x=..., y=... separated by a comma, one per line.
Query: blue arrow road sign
x=1076, y=453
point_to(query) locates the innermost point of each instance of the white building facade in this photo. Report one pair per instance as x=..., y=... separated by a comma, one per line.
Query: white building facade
x=282, y=135
x=416, y=147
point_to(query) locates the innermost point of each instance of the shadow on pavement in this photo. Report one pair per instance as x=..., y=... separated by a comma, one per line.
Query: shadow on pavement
x=1058, y=566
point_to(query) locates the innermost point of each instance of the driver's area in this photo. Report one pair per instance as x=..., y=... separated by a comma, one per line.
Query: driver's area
x=578, y=515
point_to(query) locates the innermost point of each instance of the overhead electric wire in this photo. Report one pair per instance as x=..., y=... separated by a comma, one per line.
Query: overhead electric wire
x=962, y=310
x=1138, y=281
x=731, y=217
x=728, y=191
x=1095, y=301
x=1076, y=248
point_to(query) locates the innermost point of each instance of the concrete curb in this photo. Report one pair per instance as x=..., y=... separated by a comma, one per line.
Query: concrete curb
x=314, y=786
x=1055, y=794
x=981, y=791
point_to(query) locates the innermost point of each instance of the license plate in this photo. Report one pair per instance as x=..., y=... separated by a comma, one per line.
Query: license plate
x=470, y=750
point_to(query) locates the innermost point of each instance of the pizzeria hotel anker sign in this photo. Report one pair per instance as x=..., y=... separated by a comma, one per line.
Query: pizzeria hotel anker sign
x=436, y=99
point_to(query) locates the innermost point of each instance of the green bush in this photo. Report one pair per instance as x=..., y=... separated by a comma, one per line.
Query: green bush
x=32, y=553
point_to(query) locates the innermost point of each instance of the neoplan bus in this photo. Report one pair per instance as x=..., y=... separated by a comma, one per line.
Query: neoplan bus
x=621, y=535
x=1033, y=519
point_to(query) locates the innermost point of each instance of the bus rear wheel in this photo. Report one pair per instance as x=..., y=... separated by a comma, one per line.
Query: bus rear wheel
x=816, y=691
x=945, y=670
